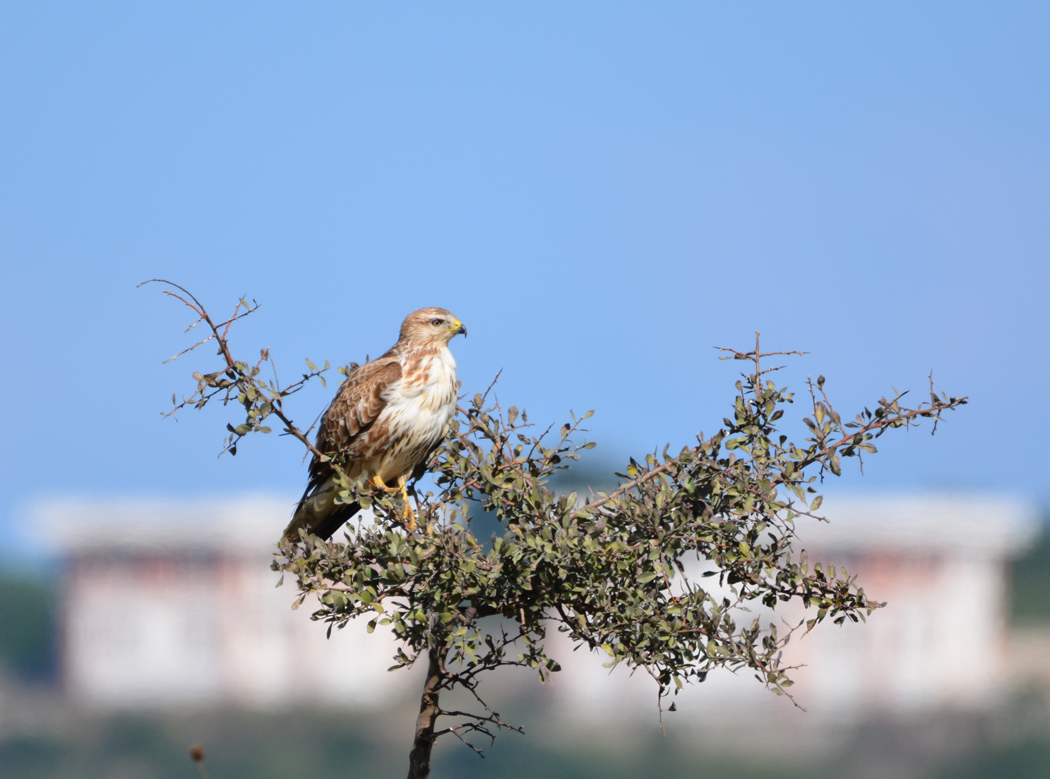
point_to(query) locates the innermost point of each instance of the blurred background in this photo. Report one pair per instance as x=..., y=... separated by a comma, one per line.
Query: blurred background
x=602, y=193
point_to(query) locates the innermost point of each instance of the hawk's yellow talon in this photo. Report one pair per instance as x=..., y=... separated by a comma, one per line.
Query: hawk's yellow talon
x=408, y=516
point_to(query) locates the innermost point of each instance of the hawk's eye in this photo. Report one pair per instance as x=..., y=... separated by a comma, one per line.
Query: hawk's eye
x=437, y=322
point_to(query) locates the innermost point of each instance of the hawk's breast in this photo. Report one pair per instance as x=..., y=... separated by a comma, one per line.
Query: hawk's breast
x=419, y=407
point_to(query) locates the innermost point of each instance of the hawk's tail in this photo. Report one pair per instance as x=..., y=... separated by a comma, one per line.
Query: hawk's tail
x=322, y=523
x=336, y=520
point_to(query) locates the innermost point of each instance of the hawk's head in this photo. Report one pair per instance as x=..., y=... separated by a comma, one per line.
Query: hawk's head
x=431, y=324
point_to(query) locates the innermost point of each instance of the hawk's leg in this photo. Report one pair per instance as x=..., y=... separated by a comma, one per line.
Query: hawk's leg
x=408, y=516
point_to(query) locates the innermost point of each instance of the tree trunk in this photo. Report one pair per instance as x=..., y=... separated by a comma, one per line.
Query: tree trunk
x=419, y=757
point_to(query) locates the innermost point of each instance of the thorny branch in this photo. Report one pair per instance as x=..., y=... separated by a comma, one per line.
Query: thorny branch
x=870, y=425
x=258, y=396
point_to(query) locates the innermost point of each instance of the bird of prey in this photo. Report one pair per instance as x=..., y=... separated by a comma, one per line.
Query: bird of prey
x=384, y=422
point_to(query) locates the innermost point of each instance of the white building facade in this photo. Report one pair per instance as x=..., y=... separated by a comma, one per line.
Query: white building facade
x=174, y=603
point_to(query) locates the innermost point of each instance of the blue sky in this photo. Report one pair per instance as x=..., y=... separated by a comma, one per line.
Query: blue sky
x=601, y=192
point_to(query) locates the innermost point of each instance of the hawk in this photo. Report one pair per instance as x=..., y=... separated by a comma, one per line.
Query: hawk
x=384, y=422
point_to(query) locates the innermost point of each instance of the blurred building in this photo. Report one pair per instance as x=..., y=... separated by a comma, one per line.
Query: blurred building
x=174, y=603
x=168, y=603
x=940, y=645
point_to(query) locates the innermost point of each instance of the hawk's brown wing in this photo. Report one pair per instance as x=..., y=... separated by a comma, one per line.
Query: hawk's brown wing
x=355, y=407
x=352, y=411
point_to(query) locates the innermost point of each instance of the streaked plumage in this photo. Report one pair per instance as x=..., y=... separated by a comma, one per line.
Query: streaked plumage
x=385, y=420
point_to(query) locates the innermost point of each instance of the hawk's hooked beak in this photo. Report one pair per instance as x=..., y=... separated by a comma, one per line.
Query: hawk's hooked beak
x=458, y=327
